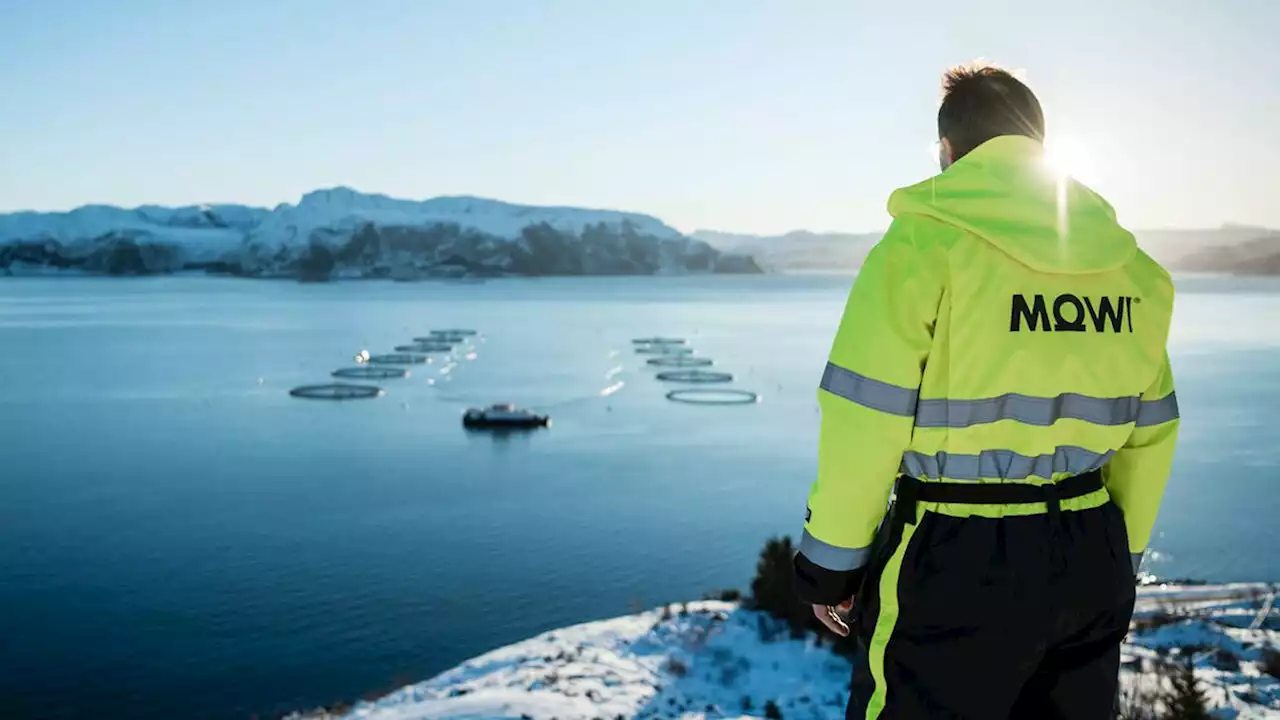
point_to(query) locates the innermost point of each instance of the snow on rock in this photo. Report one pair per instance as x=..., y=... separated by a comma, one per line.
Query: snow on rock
x=1227, y=659
x=713, y=662
x=707, y=662
x=342, y=232
x=112, y=240
x=342, y=208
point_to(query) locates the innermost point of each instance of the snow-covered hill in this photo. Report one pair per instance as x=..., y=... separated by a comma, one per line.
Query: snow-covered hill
x=797, y=250
x=346, y=233
x=1231, y=248
x=1257, y=256
x=718, y=660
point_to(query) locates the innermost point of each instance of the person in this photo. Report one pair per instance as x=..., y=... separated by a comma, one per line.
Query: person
x=1002, y=356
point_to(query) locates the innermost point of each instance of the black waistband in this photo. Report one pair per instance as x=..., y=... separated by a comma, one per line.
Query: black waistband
x=1001, y=493
x=910, y=491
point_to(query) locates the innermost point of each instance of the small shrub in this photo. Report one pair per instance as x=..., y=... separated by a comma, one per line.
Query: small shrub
x=746, y=703
x=677, y=667
x=1135, y=704
x=731, y=595
x=1150, y=622
x=771, y=711
x=665, y=615
x=1185, y=698
x=1271, y=663
x=771, y=590
x=1225, y=661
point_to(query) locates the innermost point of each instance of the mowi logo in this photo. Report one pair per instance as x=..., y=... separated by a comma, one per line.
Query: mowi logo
x=1070, y=313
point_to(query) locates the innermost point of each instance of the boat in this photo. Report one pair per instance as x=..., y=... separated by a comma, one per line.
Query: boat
x=504, y=415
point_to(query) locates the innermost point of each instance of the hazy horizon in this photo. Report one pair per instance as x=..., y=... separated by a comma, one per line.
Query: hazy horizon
x=740, y=117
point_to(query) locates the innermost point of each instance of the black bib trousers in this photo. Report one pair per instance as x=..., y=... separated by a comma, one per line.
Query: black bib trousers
x=983, y=618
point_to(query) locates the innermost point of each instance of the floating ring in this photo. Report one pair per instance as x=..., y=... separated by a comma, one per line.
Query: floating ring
x=695, y=376
x=680, y=361
x=424, y=347
x=453, y=332
x=370, y=373
x=658, y=341
x=663, y=350
x=336, y=391
x=397, y=359
x=707, y=396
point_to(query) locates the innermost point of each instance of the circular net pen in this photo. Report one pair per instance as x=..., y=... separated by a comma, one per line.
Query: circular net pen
x=658, y=341
x=425, y=347
x=695, y=376
x=708, y=396
x=664, y=350
x=370, y=373
x=680, y=361
x=336, y=391
x=436, y=340
x=397, y=359
x=453, y=332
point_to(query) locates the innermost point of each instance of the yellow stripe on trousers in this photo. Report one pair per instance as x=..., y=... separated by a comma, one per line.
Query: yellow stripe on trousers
x=885, y=620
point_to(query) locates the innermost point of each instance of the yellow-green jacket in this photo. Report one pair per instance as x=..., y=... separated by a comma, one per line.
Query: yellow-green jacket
x=1005, y=329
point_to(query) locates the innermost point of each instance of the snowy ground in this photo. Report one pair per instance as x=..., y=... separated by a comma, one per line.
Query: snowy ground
x=711, y=662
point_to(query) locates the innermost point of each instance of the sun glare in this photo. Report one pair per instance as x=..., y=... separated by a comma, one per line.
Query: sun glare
x=1069, y=156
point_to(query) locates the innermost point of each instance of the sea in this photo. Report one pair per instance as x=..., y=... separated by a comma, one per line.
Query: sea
x=179, y=537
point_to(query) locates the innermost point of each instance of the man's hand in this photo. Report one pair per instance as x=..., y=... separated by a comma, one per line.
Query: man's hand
x=831, y=617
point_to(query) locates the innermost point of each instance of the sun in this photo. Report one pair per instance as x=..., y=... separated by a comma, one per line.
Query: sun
x=1069, y=156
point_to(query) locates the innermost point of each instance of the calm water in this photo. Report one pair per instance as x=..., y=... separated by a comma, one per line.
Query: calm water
x=180, y=538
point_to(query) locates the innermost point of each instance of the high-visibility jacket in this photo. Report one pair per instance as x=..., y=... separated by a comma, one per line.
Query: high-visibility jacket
x=1005, y=329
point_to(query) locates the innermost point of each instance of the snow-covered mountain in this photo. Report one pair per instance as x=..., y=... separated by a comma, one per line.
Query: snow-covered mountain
x=1259, y=255
x=345, y=233
x=798, y=249
x=719, y=660
x=1231, y=248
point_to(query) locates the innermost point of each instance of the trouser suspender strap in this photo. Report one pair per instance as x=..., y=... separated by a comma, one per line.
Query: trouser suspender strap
x=904, y=504
x=911, y=491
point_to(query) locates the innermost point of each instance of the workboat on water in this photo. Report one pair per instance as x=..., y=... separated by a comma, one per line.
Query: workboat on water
x=504, y=415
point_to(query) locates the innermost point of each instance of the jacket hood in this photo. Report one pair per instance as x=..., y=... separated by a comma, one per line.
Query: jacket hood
x=1003, y=193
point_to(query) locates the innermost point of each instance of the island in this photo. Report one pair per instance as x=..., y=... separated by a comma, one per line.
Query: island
x=340, y=233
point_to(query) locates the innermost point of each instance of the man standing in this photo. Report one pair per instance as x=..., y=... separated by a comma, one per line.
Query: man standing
x=1002, y=355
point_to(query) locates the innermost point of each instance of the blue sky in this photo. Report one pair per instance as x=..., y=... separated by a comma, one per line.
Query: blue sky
x=733, y=115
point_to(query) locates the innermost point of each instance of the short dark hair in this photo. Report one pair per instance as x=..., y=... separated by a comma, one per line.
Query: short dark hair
x=980, y=102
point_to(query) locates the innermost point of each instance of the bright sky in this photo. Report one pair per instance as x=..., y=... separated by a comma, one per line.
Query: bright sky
x=732, y=114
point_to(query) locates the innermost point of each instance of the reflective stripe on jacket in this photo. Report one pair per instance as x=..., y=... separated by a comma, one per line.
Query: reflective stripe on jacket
x=1006, y=328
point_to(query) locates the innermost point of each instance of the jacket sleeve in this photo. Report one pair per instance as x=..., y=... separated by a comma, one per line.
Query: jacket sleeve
x=1136, y=476
x=868, y=399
